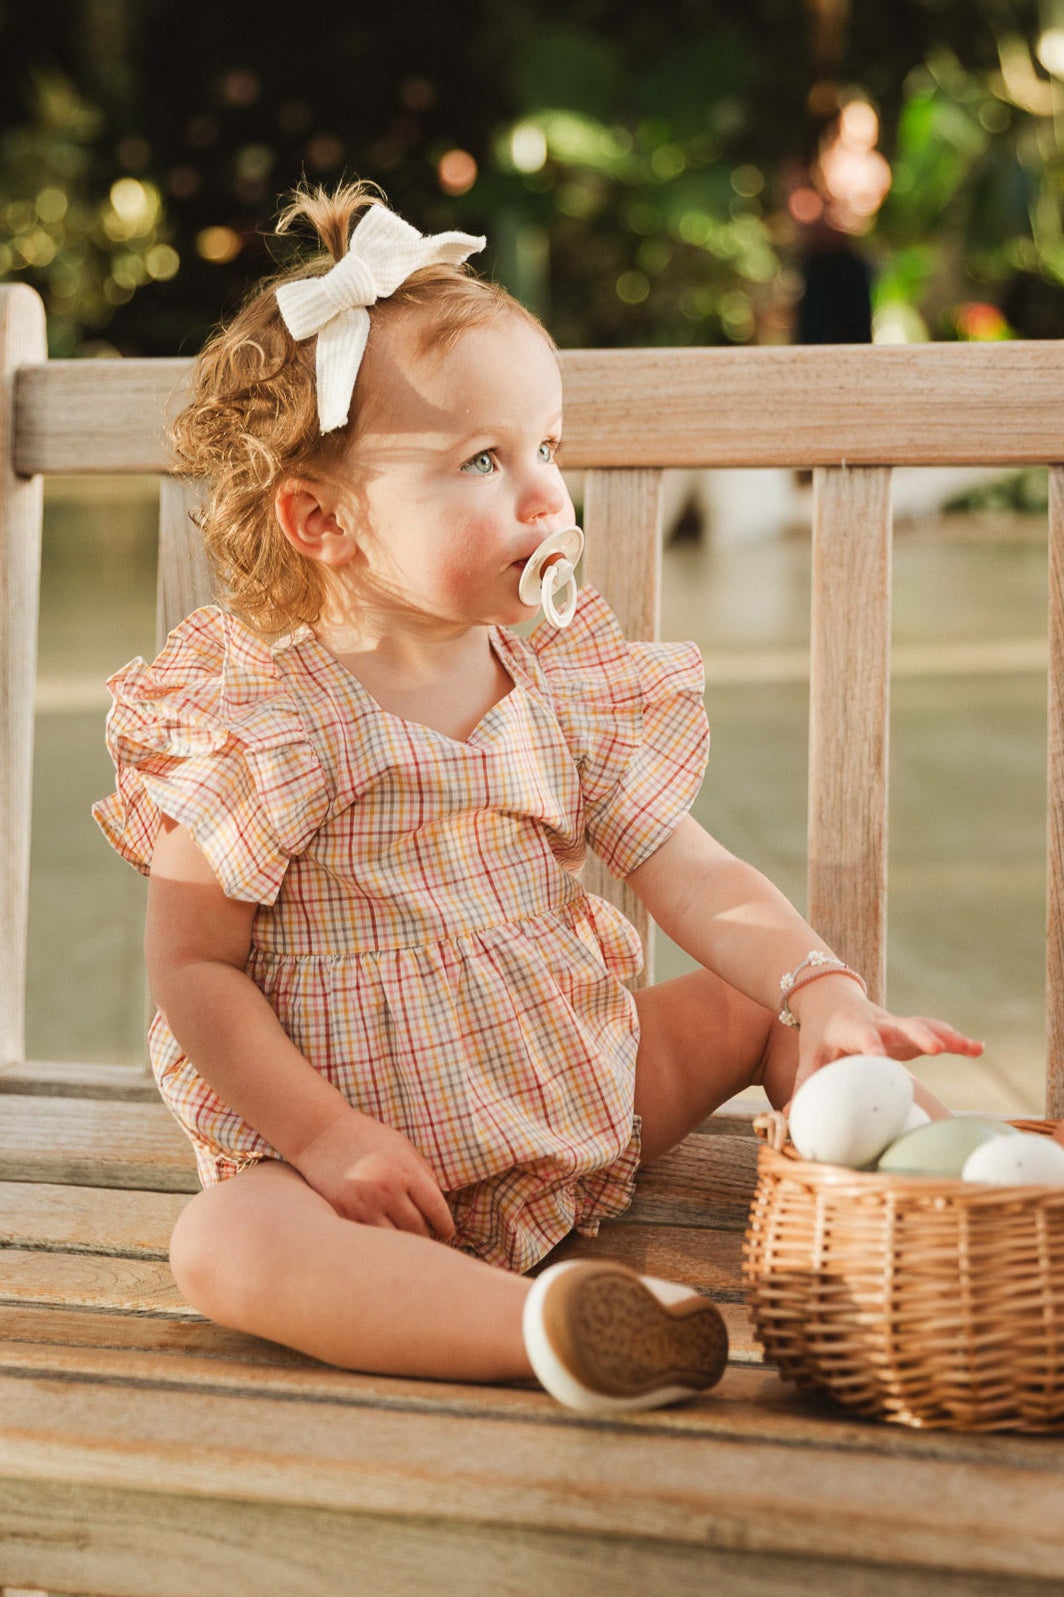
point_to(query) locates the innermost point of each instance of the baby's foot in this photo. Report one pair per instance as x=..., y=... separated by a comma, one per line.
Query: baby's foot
x=605, y=1340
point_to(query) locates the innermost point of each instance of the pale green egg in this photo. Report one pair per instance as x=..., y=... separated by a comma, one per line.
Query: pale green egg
x=941, y=1147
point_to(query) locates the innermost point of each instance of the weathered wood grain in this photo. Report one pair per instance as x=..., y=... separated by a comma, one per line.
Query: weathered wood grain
x=75, y=1219
x=76, y=416
x=184, y=577
x=919, y=1508
x=68, y=1079
x=94, y=1142
x=750, y=1401
x=22, y=339
x=49, y=1327
x=660, y=1226
x=89, y=1280
x=849, y=716
x=708, y=1260
x=708, y=1180
x=622, y=521
x=131, y=1544
x=911, y=405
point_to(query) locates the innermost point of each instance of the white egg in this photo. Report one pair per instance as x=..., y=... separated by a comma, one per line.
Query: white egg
x=916, y=1117
x=848, y=1111
x=1024, y=1160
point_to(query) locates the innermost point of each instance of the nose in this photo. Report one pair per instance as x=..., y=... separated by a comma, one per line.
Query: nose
x=544, y=494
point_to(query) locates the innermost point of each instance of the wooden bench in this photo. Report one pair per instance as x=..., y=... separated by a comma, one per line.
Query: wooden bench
x=147, y=1453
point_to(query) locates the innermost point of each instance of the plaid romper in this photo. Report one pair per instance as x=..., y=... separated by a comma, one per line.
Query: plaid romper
x=422, y=932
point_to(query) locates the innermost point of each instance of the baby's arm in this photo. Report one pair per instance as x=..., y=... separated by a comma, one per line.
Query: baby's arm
x=197, y=947
x=731, y=918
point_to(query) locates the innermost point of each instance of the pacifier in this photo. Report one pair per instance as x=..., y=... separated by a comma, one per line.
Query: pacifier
x=549, y=577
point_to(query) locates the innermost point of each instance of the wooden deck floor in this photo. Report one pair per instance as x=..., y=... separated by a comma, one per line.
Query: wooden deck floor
x=146, y=1452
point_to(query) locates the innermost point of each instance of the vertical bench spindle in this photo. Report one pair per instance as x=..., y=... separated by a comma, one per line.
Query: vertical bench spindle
x=22, y=340
x=849, y=713
x=622, y=521
x=1055, y=805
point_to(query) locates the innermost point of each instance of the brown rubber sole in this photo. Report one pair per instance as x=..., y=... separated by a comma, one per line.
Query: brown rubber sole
x=617, y=1339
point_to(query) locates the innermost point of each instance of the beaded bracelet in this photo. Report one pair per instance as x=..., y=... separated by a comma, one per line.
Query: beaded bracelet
x=815, y=964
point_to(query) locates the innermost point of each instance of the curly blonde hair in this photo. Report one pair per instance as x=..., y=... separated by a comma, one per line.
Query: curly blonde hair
x=252, y=420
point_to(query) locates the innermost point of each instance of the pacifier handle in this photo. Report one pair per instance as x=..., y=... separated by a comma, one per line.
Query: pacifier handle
x=557, y=577
x=550, y=571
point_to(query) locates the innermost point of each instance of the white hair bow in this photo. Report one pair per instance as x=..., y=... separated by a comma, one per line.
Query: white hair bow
x=383, y=252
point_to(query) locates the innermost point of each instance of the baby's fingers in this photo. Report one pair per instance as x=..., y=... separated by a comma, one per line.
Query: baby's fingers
x=905, y=1039
x=432, y=1205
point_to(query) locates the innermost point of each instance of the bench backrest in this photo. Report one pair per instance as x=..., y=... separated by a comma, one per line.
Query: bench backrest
x=850, y=413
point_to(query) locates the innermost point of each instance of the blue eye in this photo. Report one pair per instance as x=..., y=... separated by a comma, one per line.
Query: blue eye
x=481, y=465
x=547, y=451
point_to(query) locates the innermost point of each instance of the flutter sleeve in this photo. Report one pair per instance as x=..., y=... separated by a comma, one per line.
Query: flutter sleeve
x=634, y=720
x=210, y=736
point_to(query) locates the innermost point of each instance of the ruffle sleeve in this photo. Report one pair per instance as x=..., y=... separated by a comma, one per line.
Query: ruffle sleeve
x=210, y=736
x=633, y=717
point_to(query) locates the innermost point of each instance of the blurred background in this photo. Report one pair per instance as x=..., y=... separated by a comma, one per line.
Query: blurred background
x=683, y=173
x=644, y=172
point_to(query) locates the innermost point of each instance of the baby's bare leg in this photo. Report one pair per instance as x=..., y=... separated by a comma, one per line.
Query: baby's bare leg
x=264, y=1253
x=701, y=1042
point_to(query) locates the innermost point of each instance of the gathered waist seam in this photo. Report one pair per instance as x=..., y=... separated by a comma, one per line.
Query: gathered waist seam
x=580, y=902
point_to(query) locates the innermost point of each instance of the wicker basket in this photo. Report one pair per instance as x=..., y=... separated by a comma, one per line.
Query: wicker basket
x=928, y=1302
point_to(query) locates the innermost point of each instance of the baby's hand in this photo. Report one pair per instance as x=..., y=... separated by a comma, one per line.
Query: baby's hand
x=836, y=1019
x=373, y=1174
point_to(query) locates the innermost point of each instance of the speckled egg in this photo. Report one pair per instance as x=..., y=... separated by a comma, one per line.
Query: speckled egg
x=1026, y=1159
x=847, y=1112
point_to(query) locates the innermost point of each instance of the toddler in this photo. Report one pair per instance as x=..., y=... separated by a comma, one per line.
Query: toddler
x=391, y=1020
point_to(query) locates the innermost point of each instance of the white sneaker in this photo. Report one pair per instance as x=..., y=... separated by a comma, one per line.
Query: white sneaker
x=604, y=1340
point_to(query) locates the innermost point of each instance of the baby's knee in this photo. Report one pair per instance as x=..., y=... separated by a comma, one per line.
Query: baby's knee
x=196, y=1253
x=228, y=1243
x=213, y=1251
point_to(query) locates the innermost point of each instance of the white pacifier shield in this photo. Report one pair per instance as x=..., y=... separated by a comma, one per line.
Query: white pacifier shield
x=551, y=569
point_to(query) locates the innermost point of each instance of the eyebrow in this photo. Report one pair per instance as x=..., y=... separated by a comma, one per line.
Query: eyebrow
x=471, y=435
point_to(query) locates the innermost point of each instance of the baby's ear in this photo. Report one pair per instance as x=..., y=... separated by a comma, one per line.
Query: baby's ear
x=308, y=515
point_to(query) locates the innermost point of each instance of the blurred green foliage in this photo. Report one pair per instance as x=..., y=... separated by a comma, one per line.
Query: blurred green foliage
x=630, y=164
x=87, y=251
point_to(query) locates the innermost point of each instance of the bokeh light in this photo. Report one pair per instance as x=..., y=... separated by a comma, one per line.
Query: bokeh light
x=220, y=245
x=456, y=171
x=528, y=147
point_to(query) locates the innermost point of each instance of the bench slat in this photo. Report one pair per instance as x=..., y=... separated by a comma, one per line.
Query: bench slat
x=69, y=1079
x=145, y=1286
x=90, y=1280
x=87, y=1219
x=120, y=1542
x=916, y=405
x=99, y=416
x=194, y=1352
x=707, y=1181
x=705, y=1184
x=843, y=1497
x=49, y=1326
x=709, y=1260
x=93, y=1142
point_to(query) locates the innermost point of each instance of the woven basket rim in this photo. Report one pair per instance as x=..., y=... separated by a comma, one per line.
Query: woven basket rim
x=787, y=1161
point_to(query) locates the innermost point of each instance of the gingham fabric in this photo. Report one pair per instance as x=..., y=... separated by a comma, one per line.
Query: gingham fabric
x=422, y=932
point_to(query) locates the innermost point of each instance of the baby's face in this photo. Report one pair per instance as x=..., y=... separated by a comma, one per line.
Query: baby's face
x=454, y=480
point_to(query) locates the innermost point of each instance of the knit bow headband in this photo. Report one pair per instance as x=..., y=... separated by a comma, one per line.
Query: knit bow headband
x=384, y=251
